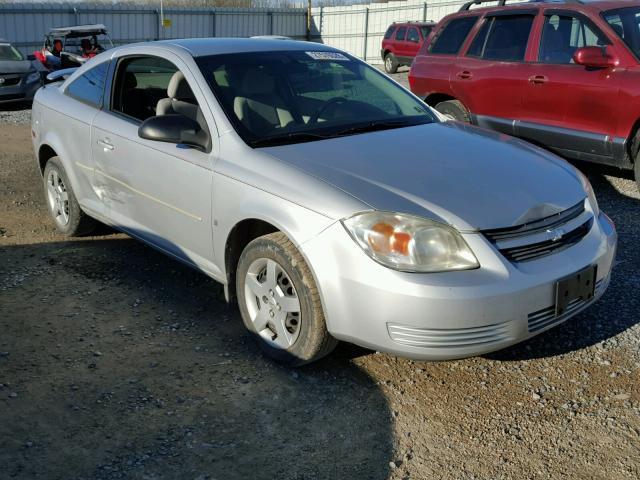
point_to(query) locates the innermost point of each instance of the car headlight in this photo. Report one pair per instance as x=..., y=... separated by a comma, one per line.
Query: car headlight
x=409, y=243
x=590, y=193
x=33, y=77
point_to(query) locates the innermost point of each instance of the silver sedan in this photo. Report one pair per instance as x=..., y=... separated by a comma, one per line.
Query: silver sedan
x=330, y=202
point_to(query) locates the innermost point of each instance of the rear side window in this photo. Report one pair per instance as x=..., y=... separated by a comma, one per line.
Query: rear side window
x=413, y=36
x=450, y=38
x=389, y=32
x=401, y=33
x=503, y=38
x=425, y=31
x=89, y=87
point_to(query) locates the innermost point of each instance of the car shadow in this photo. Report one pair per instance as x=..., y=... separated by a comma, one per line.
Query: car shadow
x=617, y=310
x=16, y=106
x=125, y=363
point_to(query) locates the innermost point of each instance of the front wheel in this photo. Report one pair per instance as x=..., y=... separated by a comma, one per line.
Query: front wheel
x=453, y=110
x=279, y=302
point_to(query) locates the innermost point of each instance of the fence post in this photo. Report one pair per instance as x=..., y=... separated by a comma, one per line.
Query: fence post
x=157, y=23
x=424, y=12
x=76, y=15
x=270, y=14
x=320, y=21
x=366, y=34
x=213, y=23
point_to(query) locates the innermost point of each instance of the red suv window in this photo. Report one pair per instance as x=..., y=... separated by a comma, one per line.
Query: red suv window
x=503, y=38
x=563, y=33
x=401, y=33
x=450, y=38
x=413, y=36
x=389, y=32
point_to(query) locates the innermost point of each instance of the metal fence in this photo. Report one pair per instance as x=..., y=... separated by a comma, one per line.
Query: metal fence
x=25, y=24
x=359, y=29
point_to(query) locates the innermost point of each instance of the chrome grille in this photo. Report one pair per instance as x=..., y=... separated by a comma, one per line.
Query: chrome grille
x=547, y=316
x=537, y=239
x=448, y=338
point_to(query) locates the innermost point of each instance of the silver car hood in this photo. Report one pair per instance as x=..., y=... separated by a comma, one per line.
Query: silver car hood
x=468, y=177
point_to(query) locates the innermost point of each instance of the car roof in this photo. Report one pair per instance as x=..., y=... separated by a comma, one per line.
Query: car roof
x=416, y=24
x=78, y=30
x=597, y=5
x=199, y=47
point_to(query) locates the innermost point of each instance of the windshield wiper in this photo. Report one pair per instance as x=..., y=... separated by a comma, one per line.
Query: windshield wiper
x=376, y=126
x=284, y=139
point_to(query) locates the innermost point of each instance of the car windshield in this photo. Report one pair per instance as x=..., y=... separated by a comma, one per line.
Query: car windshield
x=626, y=23
x=281, y=97
x=7, y=52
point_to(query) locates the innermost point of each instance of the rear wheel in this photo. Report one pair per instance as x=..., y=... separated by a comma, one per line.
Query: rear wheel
x=390, y=63
x=637, y=171
x=62, y=203
x=454, y=110
x=279, y=302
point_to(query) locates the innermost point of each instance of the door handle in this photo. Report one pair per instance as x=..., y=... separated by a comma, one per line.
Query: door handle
x=465, y=75
x=104, y=143
x=538, y=79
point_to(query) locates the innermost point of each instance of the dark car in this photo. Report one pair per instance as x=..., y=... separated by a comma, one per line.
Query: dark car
x=562, y=74
x=401, y=43
x=19, y=77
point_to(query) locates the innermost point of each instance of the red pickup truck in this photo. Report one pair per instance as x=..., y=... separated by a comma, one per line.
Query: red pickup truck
x=561, y=74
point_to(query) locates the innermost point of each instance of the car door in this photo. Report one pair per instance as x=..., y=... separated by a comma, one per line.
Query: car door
x=490, y=77
x=566, y=103
x=412, y=43
x=160, y=192
x=399, y=44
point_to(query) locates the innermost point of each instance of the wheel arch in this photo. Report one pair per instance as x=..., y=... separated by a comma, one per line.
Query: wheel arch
x=435, y=98
x=633, y=142
x=45, y=153
x=240, y=235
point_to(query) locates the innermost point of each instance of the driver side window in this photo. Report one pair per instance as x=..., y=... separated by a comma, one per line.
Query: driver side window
x=563, y=34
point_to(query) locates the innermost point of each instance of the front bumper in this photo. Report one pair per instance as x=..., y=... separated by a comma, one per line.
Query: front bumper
x=20, y=92
x=449, y=315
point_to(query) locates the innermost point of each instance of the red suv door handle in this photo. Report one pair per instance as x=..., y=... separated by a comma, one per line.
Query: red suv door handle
x=538, y=79
x=465, y=75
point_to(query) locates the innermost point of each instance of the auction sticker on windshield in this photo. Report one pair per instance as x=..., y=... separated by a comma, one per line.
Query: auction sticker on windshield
x=328, y=56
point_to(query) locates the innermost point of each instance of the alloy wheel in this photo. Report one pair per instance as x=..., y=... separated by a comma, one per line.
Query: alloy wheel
x=58, y=198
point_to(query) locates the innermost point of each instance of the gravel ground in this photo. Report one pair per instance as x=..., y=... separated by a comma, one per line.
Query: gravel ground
x=117, y=362
x=21, y=115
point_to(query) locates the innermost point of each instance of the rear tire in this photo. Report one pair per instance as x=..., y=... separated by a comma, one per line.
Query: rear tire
x=637, y=171
x=390, y=63
x=279, y=302
x=454, y=110
x=63, y=206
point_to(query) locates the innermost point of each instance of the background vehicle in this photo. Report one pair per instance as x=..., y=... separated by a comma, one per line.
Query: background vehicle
x=272, y=166
x=19, y=77
x=401, y=43
x=67, y=47
x=564, y=75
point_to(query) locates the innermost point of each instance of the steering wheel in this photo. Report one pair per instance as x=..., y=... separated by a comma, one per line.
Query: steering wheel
x=325, y=107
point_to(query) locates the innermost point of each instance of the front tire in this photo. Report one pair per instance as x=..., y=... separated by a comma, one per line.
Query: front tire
x=637, y=171
x=63, y=206
x=390, y=63
x=454, y=110
x=279, y=302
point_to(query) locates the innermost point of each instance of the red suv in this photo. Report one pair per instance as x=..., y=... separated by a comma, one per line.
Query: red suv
x=401, y=43
x=565, y=75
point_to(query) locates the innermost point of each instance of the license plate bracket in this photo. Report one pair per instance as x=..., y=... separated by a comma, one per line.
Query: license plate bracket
x=579, y=286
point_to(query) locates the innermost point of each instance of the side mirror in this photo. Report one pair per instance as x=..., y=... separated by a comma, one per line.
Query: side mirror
x=595, y=57
x=174, y=128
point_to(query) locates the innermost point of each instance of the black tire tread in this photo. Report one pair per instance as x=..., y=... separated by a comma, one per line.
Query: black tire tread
x=460, y=112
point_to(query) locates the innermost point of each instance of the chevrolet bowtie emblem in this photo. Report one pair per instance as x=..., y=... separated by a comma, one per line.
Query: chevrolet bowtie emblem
x=555, y=234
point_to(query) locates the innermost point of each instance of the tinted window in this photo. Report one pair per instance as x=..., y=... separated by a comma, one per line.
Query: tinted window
x=477, y=46
x=425, y=31
x=7, y=52
x=625, y=22
x=562, y=35
x=452, y=36
x=140, y=83
x=89, y=87
x=413, y=35
x=401, y=33
x=507, y=38
x=389, y=32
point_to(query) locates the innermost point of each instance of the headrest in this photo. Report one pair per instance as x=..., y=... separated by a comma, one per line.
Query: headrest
x=258, y=82
x=179, y=88
x=130, y=81
x=618, y=29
